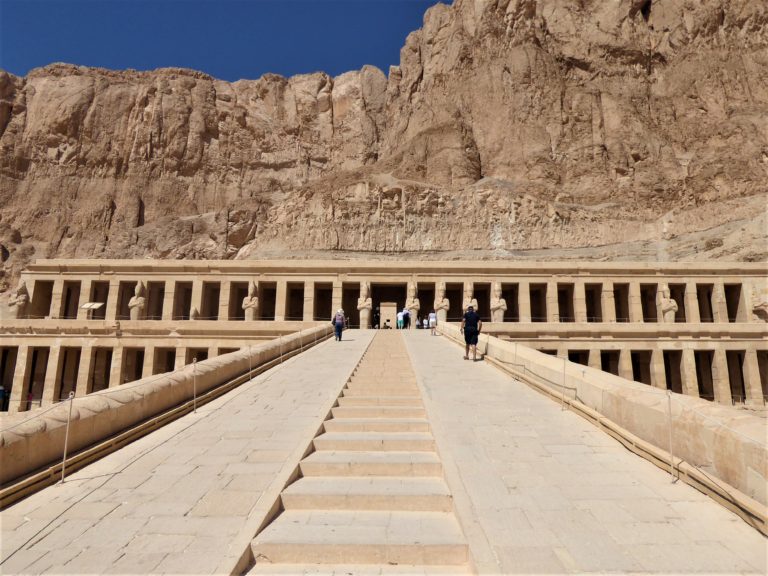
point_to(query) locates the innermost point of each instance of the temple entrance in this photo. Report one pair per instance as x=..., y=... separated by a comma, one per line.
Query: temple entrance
x=426, y=296
x=387, y=293
x=350, y=292
x=455, y=295
x=482, y=293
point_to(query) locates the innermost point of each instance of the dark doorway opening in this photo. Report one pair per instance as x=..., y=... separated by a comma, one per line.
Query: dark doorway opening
x=510, y=293
x=267, y=300
x=99, y=293
x=182, y=300
x=538, y=294
x=8, y=356
x=672, y=370
x=677, y=293
x=210, y=304
x=323, y=302
x=455, y=295
x=648, y=302
x=733, y=301
x=762, y=368
x=124, y=294
x=388, y=293
x=237, y=293
x=621, y=300
x=99, y=370
x=735, y=359
x=164, y=361
x=609, y=361
x=69, y=366
x=704, y=378
x=33, y=387
x=41, y=299
x=641, y=366
x=155, y=300
x=426, y=296
x=294, y=301
x=133, y=364
x=71, y=300
x=350, y=292
x=193, y=354
x=593, y=295
x=482, y=293
x=704, y=296
x=565, y=303
x=579, y=357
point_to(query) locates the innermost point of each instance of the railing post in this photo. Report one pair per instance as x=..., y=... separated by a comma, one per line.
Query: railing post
x=66, y=438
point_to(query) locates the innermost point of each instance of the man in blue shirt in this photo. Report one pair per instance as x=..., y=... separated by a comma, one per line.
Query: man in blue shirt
x=471, y=326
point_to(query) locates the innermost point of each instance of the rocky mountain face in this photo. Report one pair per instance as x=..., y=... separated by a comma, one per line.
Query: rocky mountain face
x=548, y=129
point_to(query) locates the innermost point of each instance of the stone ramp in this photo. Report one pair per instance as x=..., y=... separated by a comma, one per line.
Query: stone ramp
x=371, y=498
x=539, y=489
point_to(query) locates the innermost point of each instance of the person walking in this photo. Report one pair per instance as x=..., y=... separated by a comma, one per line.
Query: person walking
x=406, y=319
x=433, y=322
x=399, y=320
x=471, y=326
x=339, y=324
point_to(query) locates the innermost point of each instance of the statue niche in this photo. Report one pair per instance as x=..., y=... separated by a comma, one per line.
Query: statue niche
x=412, y=303
x=441, y=304
x=365, y=305
x=19, y=301
x=498, y=304
x=138, y=302
x=667, y=305
x=251, y=302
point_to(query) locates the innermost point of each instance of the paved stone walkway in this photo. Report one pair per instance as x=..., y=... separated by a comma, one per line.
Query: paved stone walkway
x=540, y=490
x=188, y=498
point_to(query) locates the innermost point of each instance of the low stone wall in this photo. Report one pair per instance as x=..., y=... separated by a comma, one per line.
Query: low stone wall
x=724, y=442
x=34, y=439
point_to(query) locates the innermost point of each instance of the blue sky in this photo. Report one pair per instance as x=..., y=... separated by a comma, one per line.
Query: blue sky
x=228, y=39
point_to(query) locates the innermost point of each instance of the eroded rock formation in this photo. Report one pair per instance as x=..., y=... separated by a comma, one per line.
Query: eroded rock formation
x=632, y=129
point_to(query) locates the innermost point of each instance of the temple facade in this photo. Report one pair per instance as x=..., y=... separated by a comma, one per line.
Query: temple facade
x=85, y=325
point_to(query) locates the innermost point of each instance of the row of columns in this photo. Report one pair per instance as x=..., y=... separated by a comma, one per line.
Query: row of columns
x=608, y=304
x=23, y=370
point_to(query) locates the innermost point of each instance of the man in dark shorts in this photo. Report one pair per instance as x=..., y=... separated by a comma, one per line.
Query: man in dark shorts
x=471, y=326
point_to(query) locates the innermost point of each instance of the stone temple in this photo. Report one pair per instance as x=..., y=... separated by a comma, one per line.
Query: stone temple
x=589, y=176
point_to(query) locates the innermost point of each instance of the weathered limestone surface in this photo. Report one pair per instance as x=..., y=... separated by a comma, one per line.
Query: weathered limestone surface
x=633, y=129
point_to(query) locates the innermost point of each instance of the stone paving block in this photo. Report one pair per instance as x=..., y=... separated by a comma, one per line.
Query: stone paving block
x=110, y=533
x=225, y=503
x=137, y=563
x=201, y=561
x=529, y=560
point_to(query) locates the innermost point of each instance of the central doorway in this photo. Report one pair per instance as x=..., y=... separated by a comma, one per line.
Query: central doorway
x=387, y=293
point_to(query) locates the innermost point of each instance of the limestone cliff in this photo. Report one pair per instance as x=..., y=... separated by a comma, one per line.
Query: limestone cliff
x=630, y=129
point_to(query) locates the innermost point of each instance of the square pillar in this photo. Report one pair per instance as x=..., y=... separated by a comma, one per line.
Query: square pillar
x=281, y=296
x=114, y=292
x=52, y=373
x=57, y=299
x=85, y=296
x=336, y=297
x=720, y=308
x=579, y=301
x=688, y=373
x=84, y=371
x=149, y=361
x=635, y=303
x=18, y=398
x=309, y=301
x=720, y=380
x=226, y=286
x=524, y=300
x=197, y=297
x=625, y=364
x=608, y=302
x=181, y=357
x=658, y=374
x=594, y=360
x=212, y=351
x=116, y=370
x=168, y=300
x=553, y=310
x=751, y=372
x=691, y=303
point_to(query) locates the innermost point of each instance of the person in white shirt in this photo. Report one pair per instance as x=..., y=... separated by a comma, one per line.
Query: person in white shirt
x=432, y=322
x=400, y=320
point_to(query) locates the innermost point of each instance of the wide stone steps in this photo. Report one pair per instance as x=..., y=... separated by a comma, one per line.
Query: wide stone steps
x=346, y=463
x=369, y=537
x=372, y=492
x=369, y=493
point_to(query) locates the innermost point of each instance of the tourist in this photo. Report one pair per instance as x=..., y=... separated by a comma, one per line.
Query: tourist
x=339, y=323
x=399, y=320
x=406, y=318
x=424, y=323
x=471, y=326
x=433, y=322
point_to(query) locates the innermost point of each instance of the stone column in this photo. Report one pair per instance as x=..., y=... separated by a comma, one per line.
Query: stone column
x=309, y=301
x=57, y=299
x=336, y=298
x=594, y=359
x=168, y=299
x=720, y=308
x=85, y=296
x=112, y=296
x=17, y=401
x=116, y=370
x=212, y=351
x=752, y=385
x=52, y=373
x=524, y=300
x=625, y=364
x=721, y=382
x=149, y=361
x=281, y=296
x=658, y=374
x=197, y=298
x=608, y=302
x=84, y=371
x=579, y=301
x=181, y=358
x=226, y=286
x=635, y=303
x=553, y=310
x=691, y=303
x=688, y=373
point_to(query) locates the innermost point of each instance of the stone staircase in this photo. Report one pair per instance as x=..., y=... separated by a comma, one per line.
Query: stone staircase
x=371, y=498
